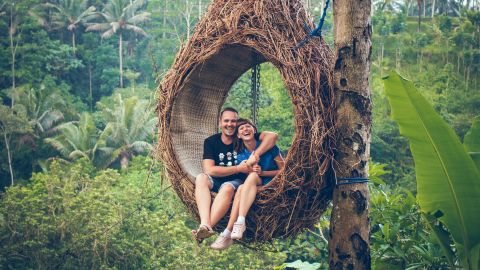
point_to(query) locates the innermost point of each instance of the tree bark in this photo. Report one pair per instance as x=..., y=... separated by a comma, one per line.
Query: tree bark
x=349, y=225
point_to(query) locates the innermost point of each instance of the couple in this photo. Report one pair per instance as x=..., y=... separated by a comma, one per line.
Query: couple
x=235, y=162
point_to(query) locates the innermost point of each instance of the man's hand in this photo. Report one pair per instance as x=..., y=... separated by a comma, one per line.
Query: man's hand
x=253, y=159
x=244, y=167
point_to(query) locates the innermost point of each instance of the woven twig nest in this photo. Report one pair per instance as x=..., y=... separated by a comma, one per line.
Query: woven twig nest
x=231, y=38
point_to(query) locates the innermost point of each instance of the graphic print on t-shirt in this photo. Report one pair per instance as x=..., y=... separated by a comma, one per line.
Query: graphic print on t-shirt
x=227, y=162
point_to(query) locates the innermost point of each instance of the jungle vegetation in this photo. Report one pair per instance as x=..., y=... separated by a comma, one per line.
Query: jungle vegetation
x=80, y=189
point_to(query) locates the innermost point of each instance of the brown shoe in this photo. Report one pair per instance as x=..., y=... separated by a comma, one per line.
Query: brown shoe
x=203, y=232
x=221, y=243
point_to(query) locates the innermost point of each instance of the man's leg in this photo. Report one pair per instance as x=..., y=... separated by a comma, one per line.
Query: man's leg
x=221, y=204
x=203, y=197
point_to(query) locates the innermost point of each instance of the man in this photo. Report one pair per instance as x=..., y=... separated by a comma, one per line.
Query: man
x=222, y=174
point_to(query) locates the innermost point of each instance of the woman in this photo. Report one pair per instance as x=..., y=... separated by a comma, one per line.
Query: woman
x=262, y=173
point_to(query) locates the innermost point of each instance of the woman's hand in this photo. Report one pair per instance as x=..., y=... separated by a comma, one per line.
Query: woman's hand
x=253, y=159
x=257, y=169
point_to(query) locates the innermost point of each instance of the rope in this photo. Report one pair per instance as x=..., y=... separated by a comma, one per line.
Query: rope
x=347, y=180
x=255, y=88
x=317, y=32
x=351, y=180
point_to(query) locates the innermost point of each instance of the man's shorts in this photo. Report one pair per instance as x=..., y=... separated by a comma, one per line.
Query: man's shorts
x=217, y=184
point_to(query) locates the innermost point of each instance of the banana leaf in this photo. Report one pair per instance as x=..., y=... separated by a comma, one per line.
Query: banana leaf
x=472, y=141
x=448, y=181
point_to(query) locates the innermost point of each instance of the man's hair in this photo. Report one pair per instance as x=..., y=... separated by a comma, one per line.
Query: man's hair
x=228, y=109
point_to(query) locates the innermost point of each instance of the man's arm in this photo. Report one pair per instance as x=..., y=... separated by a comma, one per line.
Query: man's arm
x=221, y=171
x=268, y=139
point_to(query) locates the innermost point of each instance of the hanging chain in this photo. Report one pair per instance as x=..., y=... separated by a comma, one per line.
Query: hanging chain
x=255, y=91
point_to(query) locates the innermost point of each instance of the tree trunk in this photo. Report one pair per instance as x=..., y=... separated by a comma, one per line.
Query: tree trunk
x=164, y=24
x=73, y=43
x=9, y=156
x=398, y=55
x=13, y=49
x=433, y=8
x=90, y=86
x=349, y=225
x=419, y=4
x=120, y=57
x=124, y=161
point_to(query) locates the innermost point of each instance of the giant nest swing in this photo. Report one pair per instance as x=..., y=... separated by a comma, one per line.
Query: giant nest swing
x=232, y=37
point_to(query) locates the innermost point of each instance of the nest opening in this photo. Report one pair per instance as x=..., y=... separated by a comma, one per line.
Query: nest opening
x=206, y=86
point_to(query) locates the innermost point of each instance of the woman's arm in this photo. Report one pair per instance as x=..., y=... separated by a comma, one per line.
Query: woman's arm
x=280, y=164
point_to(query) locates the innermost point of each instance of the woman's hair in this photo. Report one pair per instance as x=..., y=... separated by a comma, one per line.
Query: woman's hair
x=238, y=143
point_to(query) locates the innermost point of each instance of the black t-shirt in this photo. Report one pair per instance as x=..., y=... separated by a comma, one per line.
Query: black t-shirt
x=222, y=154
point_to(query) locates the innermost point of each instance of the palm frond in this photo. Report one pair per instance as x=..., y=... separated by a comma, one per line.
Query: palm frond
x=78, y=154
x=97, y=27
x=141, y=147
x=136, y=29
x=139, y=18
x=132, y=8
x=108, y=33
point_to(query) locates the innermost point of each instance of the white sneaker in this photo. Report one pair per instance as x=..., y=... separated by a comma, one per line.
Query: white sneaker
x=221, y=243
x=237, y=231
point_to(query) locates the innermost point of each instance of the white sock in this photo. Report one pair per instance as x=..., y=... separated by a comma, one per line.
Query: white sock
x=241, y=219
x=226, y=233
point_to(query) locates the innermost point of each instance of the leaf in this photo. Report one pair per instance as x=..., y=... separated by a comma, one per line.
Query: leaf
x=448, y=183
x=472, y=141
x=301, y=265
x=443, y=238
x=375, y=171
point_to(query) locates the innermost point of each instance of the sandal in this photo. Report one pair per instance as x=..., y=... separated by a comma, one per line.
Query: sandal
x=202, y=233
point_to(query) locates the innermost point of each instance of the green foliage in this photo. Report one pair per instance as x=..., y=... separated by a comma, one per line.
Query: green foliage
x=129, y=130
x=74, y=218
x=301, y=265
x=77, y=139
x=400, y=238
x=472, y=141
x=447, y=178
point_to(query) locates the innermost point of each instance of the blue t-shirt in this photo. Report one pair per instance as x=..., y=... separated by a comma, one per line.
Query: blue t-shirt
x=267, y=160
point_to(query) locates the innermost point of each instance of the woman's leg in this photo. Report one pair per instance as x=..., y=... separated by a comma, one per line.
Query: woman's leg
x=235, y=207
x=249, y=193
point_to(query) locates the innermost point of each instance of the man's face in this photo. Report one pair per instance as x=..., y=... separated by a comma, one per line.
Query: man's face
x=228, y=122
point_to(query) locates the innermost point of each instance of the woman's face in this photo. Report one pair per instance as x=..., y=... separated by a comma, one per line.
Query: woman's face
x=246, y=132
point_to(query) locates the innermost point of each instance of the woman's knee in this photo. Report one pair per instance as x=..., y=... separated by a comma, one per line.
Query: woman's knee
x=252, y=179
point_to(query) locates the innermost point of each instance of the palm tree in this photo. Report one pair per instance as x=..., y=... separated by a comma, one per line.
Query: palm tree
x=12, y=122
x=121, y=16
x=76, y=139
x=69, y=14
x=42, y=108
x=127, y=132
